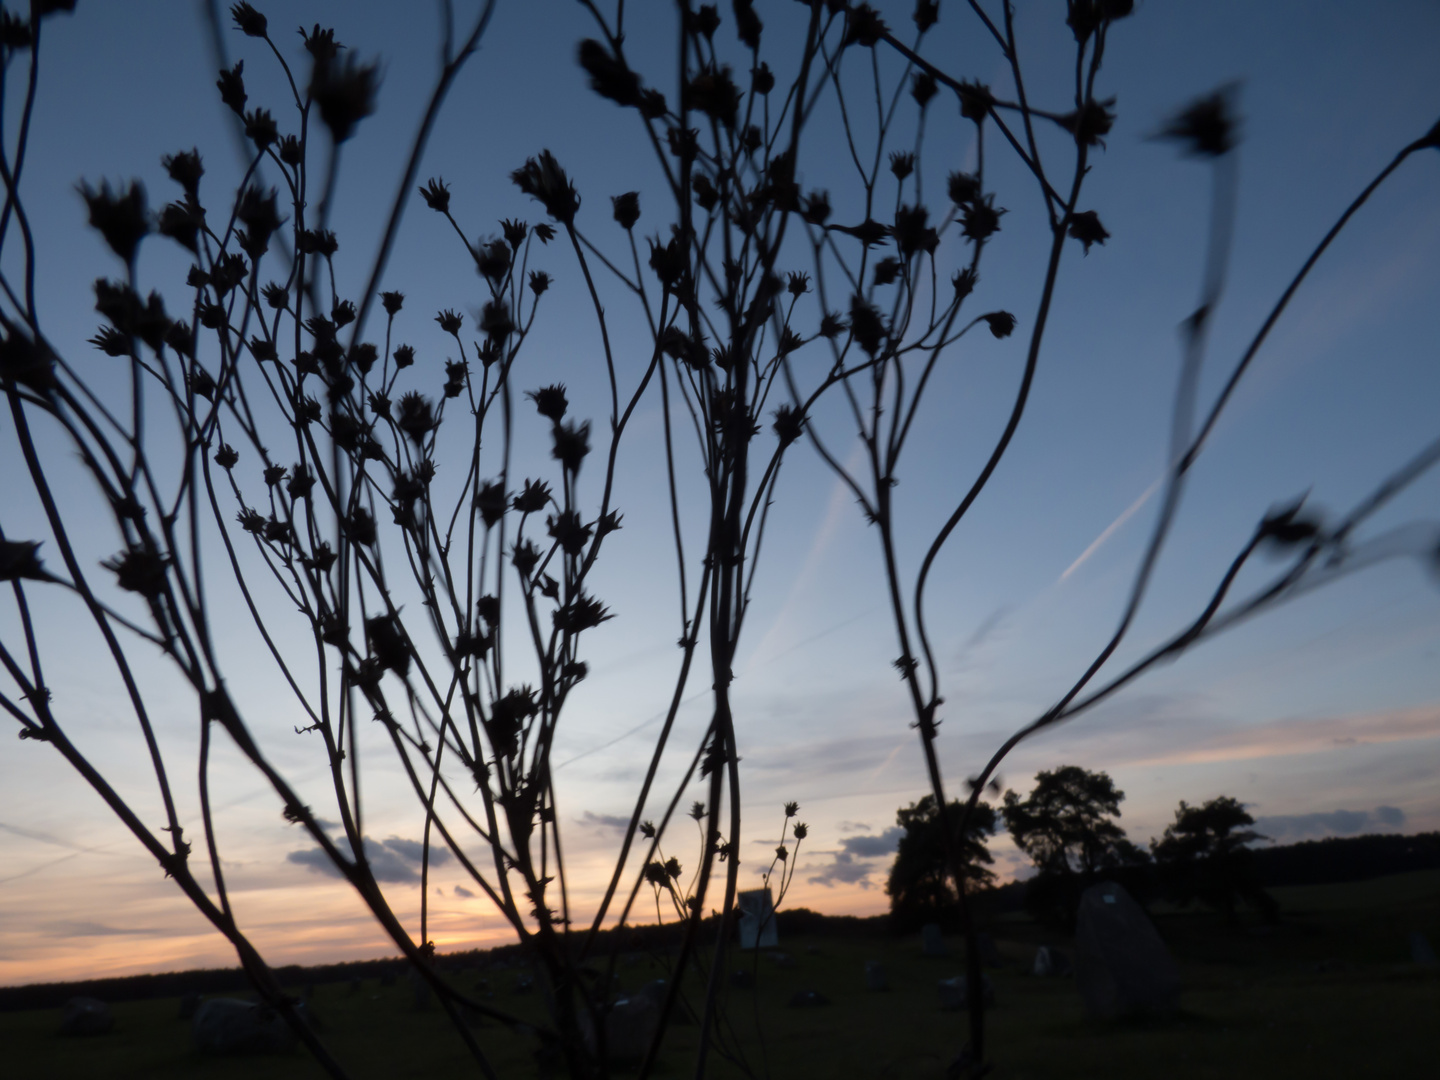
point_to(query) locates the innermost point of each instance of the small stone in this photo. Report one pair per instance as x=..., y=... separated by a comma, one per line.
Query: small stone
x=931, y=940
x=875, y=976
x=86, y=1016
x=1421, y=951
x=808, y=999
x=954, y=992
x=229, y=1027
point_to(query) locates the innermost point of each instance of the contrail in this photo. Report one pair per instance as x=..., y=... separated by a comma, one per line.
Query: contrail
x=1109, y=529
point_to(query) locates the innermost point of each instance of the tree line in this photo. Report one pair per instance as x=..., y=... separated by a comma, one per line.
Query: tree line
x=1069, y=827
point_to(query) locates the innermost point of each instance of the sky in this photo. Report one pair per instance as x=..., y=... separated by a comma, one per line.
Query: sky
x=1322, y=716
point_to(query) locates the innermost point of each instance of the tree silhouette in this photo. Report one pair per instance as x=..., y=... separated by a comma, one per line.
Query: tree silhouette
x=1204, y=855
x=920, y=886
x=1067, y=826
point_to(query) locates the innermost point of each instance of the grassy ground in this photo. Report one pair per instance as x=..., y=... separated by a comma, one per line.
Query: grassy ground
x=1330, y=993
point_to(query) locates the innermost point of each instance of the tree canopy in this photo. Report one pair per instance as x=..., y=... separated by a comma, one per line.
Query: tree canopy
x=1067, y=823
x=1204, y=855
x=920, y=887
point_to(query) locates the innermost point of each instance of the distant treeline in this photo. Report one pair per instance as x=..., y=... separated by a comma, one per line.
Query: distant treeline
x=1348, y=858
x=1313, y=862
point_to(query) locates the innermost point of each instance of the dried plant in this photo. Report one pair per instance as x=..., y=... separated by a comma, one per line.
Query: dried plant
x=449, y=606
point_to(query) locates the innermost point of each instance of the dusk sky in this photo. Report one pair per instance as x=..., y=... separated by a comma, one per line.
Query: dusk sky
x=1322, y=716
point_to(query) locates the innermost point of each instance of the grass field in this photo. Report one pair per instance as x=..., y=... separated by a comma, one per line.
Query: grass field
x=1329, y=993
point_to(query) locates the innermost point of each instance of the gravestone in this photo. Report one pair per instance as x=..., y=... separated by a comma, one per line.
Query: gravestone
x=188, y=1004
x=757, y=920
x=654, y=991
x=86, y=1016
x=989, y=954
x=932, y=942
x=955, y=992
x=630, y=1025
x=875, y=977
x=1122, y=967
x=1050, y=962
x=229, y=1027
x=419, y=990
x=1420, y=951
x=808, y=999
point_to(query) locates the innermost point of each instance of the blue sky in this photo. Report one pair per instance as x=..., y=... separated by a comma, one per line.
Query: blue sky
x=1323, y=716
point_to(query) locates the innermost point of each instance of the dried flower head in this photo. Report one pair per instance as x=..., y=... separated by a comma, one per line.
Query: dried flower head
x=543, y=179
x=436, y=194
x=120, y=216
x=1207, y=127
x=1085, y=227
x=345, y=93
x=185, y=169
x=550, y=401
x=232, y=88
x=248, y=20
x=627, y=208
x=1001, y=323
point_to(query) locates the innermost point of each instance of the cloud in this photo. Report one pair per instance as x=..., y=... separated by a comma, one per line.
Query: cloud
x=843, y=871
x=1153, y=730
x=73, y=928
x=1329, y=823
x=605, y=821
x=873, y=847
x=853, y=826
x=852, y=864
x=393, y=860
x=464, y=893
x=413, y=850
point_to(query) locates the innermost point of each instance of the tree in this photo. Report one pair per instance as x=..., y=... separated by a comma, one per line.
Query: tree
x=920, y=886
x=1205, y=856
x=1067, y=826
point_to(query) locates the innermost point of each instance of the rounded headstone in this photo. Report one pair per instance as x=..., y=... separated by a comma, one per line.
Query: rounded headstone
x=229, y=1027
x=85, y=1016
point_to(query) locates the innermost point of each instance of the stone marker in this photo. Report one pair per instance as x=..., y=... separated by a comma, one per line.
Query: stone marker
x=229, y=1027
x=86, y=1016
x=1049, y=962
x=1420, y=951
x=757, y=919
x=1122, y=967
x=654, y=991
x=932, y=943
x=419, y=989
x=808, y=999
x=875, y=977
x=188, y=1004
x=955, y=994
x=630, y=1025
x=989, y=954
